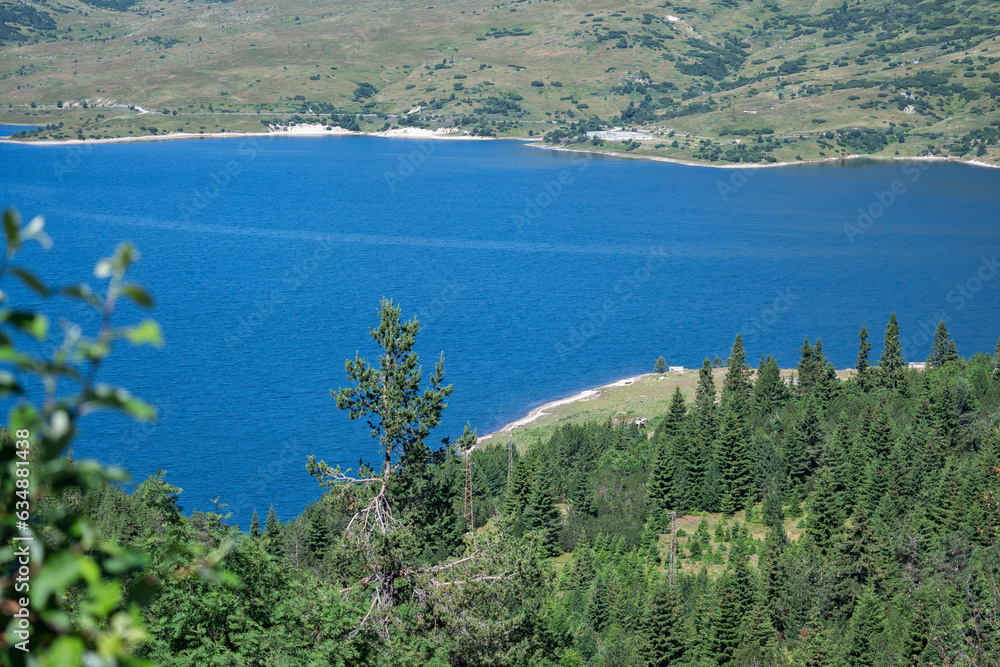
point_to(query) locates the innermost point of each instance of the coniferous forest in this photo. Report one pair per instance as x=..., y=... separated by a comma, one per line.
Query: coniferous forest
x=821, y=519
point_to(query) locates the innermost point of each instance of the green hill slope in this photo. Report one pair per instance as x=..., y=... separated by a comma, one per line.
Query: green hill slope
x=760, y=81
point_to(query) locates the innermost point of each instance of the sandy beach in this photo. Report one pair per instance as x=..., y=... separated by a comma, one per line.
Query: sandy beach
x=318, y=130
x=541, y=411
x=301, y=130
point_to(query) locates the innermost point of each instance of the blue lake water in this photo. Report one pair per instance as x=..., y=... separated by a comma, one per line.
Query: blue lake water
x=538, y=274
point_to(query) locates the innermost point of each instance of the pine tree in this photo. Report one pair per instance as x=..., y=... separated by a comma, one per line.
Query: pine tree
x=864, y=374
x=891, y=370
x=915, y=642
x=666, y=629
x=255, y=525
x=734, y=464
x=660, y=366
x=943, y=350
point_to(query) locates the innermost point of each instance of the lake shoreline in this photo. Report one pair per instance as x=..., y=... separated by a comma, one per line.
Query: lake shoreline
x=542, y=410
x=657, y=158
x=418, y=133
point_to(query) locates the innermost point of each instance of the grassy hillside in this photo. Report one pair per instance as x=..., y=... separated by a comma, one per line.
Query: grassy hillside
x=721, y=81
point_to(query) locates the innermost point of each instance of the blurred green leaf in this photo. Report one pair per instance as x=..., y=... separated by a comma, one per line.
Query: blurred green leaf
x=125, y=561
x=82, y=292
x=24, y=416
x=8, y=385
x=145, y=333
x=61, y=569
x=11, y=226
x=103, y=597
x=139, y=295
x=67, y=650
x=33, y=324
x=116, y=398
x=30, y=280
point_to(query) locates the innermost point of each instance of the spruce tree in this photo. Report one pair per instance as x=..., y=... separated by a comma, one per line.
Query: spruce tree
x=743, y=585
x=864, y=371
x=272, y=533
x=774, y=515
x=704, y=397
x=703, y=433
x=673, y=424
x=802, y=448
x=943, y=350
x=734, y=463
x=861, y=647
x=814, y=644
x=737, y=380
x=809, y=369
x=695, y=461
x=769, y=390
x=660, y=366
x=660, y=489
x=891, y=369
x=855, y=562
x=666, y=630
x=255, y=525
x=520, y=490
x=599, y=604
x=825, y=517
x=711, y=487
x=317, y=535
x=542, y=518
x=829, y=385
x=727, y=621
x=773, y=566
x=583, y=501
x=758, y=640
